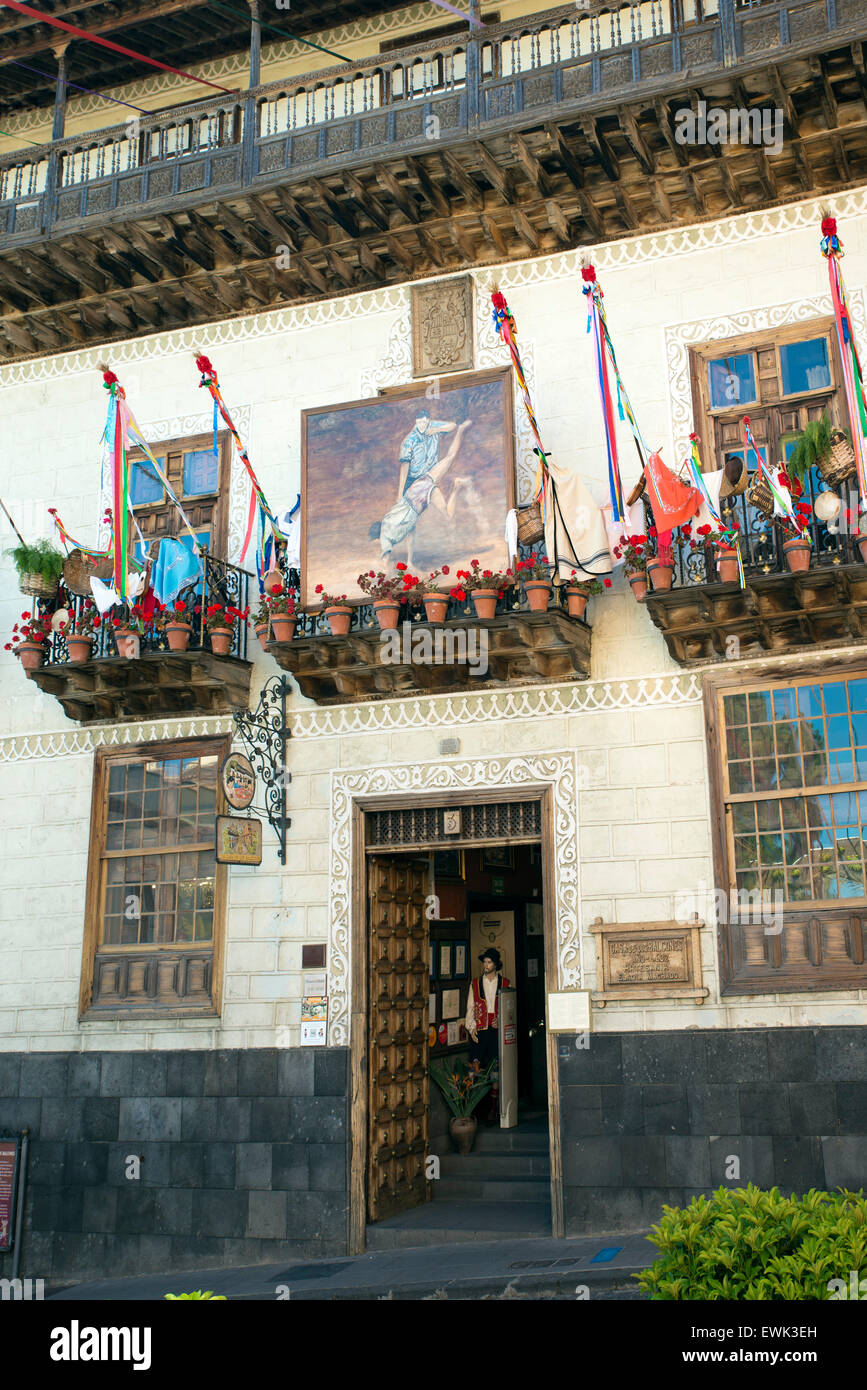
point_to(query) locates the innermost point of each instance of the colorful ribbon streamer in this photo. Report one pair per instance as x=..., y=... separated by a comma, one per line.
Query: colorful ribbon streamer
x=134, y=436
x=782, y=497
x=853, y=378
x=120, y=506
x=693, y=464
x=504, y=326
x=73, y=544
x=596, y=321
x=258, y=501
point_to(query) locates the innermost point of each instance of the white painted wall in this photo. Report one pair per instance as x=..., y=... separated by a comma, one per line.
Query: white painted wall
x=643, y=817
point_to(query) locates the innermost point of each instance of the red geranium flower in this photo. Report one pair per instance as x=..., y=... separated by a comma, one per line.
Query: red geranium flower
x=400, y=565
x=607, y=583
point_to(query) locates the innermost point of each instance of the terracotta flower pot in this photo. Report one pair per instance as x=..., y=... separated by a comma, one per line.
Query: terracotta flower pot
x=576, y=601
x=128, y=643
x=638, y=580
x=339, y=618
x=31, y=654
x=79, y=648
x=727, y=565
x=178, y=635
x=485, y=602
x=271, y=580
x=538, y=593
x=862, y=546
x=262, y=630
x=221, y=640
x=463, y=1129
x=283, y=626
x=660, y=575
x=797, y=553
x=436, y=607
x=387, y=611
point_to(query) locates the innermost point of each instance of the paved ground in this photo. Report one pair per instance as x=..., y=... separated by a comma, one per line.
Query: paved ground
x=537, y=1267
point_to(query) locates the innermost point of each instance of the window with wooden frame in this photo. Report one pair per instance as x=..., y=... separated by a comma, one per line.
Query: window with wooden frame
x=780, y=378
x=200, y=479
x=155, y=894
x=789, y=777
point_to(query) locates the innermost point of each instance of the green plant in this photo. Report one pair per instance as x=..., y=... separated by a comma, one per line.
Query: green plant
x=536, y=566
x=280, y=602
x=635, y=552
x=42, y=559
x=378, y=585
x=477, y=578
x=752, y=1245
x=588, y=586
x=811, y=448
x=199, y=1293
x=464, y=1087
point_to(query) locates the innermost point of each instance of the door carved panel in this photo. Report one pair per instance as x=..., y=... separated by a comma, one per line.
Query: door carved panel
x=397, y=1041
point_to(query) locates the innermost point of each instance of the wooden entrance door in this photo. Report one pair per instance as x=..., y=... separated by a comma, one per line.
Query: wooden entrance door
x=397, y=1035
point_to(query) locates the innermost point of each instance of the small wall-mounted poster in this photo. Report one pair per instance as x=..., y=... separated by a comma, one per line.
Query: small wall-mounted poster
x=453, y=1034
x=442, y=1034
x=533, y=968
x=533, y=915
x=314, y=1022
x=445, y=960
x=448, y=864
x=451, y=1003
x=461, y=956
x=432, y=1036
x=239, y=840
x=431, y=1008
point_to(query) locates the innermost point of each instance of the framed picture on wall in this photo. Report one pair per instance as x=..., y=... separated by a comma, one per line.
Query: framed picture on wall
x=404, y=477
x=462, y=951
x=448, y=865
x=445, y=960
x=497, y=857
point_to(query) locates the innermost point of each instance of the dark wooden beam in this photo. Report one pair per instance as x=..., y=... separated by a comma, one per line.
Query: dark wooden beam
x=249, y=238
x=339, y=212
x=558, y=222
x=458, y=175
x=366, y=200
x=531, y=166
x=430, y=191
x=635, y=140
x=463, y=241
x=431, y=248
x=278, y=229
x=398, y=193
x=494, y=235
x=525, y=229
x=499, y=178
x=596, y=141
x=306, y=217
x=663, y=118
x=399, y=253
x=568, y=160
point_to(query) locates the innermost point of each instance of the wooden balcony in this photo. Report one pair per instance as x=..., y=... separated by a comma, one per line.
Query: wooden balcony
x=778, y=612
x=523, y=138
x=516, y=647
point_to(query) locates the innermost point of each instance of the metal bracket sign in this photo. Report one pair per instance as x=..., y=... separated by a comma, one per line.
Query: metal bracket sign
x=265, y=735
x=10, y=1158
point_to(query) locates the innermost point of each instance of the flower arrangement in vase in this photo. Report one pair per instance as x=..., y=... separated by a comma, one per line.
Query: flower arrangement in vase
x=80, y=630
x=279, y=606
x=725, y=555
x=578, y=591
x=30, y=640
x=484, y=587
x=462, y=1089
x=128, y=631
x=797, y=546
x=177, y=620
x=337, y=611
x=387, y=592
x=425, y=591
x=635, y=552
x=535, y=573
x=220, y=622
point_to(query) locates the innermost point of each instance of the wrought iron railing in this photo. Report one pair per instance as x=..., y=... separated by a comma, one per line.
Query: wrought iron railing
x=235, y=142
x=761, y=540
x=222, y=583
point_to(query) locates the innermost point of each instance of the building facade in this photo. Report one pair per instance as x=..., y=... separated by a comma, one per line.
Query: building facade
x=673, y=775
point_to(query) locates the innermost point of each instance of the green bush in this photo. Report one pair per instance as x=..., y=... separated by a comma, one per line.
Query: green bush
x=176, y=1297
x=746, y=1244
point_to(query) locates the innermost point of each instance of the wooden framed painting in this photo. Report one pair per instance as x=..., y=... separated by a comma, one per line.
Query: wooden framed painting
x=410, y=477
x=496, y=858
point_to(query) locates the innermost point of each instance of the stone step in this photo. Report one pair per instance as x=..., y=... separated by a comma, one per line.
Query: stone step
x=526, y=1189
x=488, y=1164
x=449, y=1222
x=521, y=1139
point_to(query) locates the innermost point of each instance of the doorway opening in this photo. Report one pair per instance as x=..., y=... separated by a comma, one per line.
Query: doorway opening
x=431, y=914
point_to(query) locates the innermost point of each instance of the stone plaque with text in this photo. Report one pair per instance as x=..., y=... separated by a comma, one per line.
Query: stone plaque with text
x=648, y=960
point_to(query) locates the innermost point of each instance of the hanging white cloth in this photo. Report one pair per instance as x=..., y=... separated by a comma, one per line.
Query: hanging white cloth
x=575, y=537
x=632, y=525
x=512, y=533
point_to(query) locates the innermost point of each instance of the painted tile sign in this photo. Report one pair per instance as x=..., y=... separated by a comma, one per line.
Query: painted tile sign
x=8, y=1166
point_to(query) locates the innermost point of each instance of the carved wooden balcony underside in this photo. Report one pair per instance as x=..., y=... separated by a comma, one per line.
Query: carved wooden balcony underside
x=158, y=684
x=775, y=614
x=522, y=648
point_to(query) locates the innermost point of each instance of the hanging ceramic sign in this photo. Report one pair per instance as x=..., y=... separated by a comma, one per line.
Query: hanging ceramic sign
x=238, y=781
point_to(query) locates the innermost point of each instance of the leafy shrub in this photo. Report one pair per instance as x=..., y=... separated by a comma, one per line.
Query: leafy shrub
x=746, y=1244
x=176, y=1297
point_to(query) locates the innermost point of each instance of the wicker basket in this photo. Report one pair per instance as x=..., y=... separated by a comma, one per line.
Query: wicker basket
x=37, y=587
x=530, y=528
x=839, y=466
x=761, y=497
x=79, y=569
x=735, y=478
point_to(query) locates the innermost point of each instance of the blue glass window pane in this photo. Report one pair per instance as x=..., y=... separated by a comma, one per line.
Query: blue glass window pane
x=201, y=470
x=805, y=366
x=732, y=381
x=145, y=486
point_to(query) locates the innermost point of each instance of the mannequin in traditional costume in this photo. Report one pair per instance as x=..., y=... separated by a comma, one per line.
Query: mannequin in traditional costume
x=483, y=1022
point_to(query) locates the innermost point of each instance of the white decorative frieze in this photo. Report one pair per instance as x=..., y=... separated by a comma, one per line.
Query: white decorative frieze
x=532, y=771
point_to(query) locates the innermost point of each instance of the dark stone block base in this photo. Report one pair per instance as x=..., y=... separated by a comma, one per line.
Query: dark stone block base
x=242, y=1156
x=658, y=1118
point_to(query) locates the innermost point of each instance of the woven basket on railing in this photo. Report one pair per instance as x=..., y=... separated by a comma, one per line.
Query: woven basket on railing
x=37, y=587
x=761, y=497
x=79, y=569
x=839, y=466
x=530, y=528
